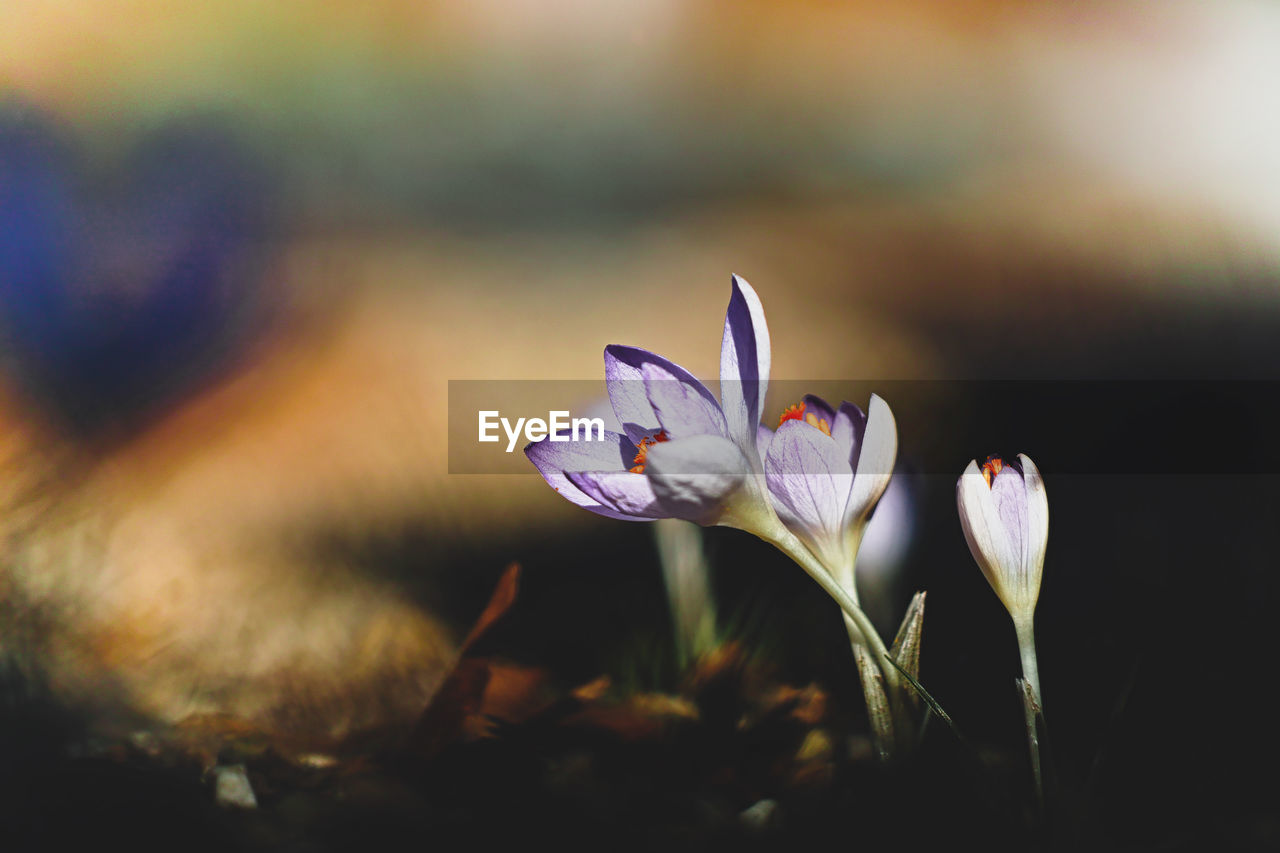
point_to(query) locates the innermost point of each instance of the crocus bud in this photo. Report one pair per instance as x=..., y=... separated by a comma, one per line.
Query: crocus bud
x=1005, y=516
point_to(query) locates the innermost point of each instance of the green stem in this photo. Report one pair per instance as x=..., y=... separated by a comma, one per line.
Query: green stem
x=1032, y=703
x=1031, y=717
x=861, y=631
x=1027, y=648
x=753, y=514
x=795, y=549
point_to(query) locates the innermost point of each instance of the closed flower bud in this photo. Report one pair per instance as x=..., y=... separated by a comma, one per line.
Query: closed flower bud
x=1005, y=516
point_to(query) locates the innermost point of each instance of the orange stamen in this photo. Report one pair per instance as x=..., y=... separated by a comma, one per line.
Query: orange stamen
x=797, y=413
x=993, y=466
x=643, y=448
x=821, y=423
x=792, y=413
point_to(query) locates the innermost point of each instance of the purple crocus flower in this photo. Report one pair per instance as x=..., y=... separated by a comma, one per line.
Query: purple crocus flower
x=1005, y=515
x=807, y=488
x=682, y=453
x=826, y=469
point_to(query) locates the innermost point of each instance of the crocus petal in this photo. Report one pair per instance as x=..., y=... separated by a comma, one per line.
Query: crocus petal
x=630, y=495
x=695, y=477
x=819, y=408
x=809, y=481
x=874, y=460
x=554, y=458
x=682, y=407
x=744, y=362
x=614, y=451
x=848, y=428
x=764, y=436
x=984, y=531
x=1009, y=493
x=1037, y=522
x=624, y=379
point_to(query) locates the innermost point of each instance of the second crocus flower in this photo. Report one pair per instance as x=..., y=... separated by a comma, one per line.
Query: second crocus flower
x=1005, y=516
x=826, y=470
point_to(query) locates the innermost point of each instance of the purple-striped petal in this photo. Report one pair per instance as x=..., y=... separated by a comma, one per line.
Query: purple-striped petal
x=984, y=530
x=873, y=461
x=682, y=408
x=809, y=480
x=1009, y=492
x=627, y=494
x=624, y=379
x=554, y=458
x=695, y=477
x=744, y=362
x=848, y=428
x=1037, y=520
x=764, y=436
x=816, y=406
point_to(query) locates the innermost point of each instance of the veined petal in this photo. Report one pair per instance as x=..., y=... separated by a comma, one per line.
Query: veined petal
x=554, y=458
x=614, y=451
x=629, y=495
x=809, y=480
x=624, y=379
x=984, y=531
x=683, y=409
x=1009, y=493
x=695, y=477
x=744, y=363
x=873, y=460
x=848, y=428
x=1037, y=522
x=818, y=407
x=764, y=436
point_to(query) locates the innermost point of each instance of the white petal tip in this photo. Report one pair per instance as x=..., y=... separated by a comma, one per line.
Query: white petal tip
x=740, y=283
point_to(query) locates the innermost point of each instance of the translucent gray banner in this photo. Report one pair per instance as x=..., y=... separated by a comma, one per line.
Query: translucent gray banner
x=1067, y=427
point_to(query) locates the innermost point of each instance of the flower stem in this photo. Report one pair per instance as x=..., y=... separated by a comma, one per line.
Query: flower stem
x=892, y=725
x=686, y=576
x=1027, y=649
x=796, y=551
x=1031, y=717
x=1032, y=704
x=747, y=516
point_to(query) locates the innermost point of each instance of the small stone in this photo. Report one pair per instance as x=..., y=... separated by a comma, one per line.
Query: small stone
x=232, y=788
x=760, y=816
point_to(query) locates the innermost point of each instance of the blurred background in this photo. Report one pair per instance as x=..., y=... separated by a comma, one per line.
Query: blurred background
x=244, y=247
